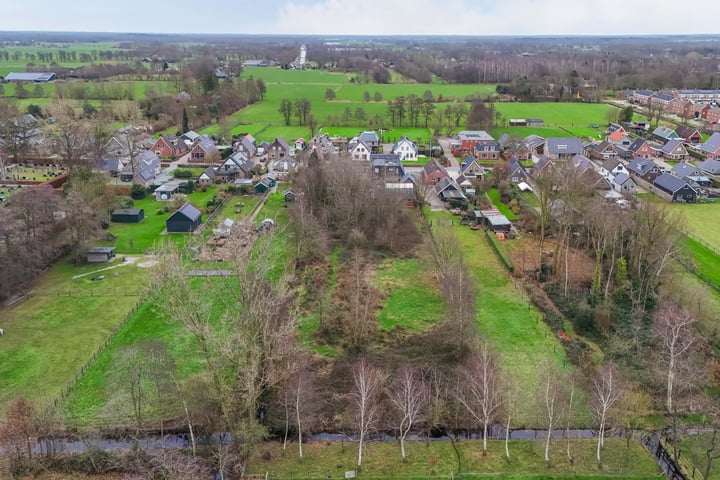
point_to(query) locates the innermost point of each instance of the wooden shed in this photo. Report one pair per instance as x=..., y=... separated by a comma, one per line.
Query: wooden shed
x=99, y=254
x=128, y=215
x=184, y=220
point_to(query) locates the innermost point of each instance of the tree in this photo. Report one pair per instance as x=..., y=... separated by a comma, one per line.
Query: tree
x=286, y=110
x=626, y=114
x=34, y=110
x=368, y=383
x=606, y=391
x=377, y=97
x=674, y=330
x=71, y=136
x=366, y=96
x=480, y=117
x=330, y=94
x=16, y=131
x=408, y=396
x=261, y=88
x=299, y=392
x=19, y=433
x=551, y=400
x=302, y=109
x=479, y=390
x=185, y=121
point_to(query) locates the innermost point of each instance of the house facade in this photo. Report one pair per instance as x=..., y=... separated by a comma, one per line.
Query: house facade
x=434, y=172
x=169, y=146
x=360, y=152
x=674, y=150
x=711, y=147
x=469, y=139
x=562, y=148
x=278, y=149
x=204, y=150
x=674, y=189
x=405, y=149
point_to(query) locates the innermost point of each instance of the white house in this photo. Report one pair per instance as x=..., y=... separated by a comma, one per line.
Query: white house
x=622, y=183
x=406, y=149
x=612, y=167
x=360, y=152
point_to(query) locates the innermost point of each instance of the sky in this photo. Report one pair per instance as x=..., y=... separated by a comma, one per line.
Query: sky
x=363, y=17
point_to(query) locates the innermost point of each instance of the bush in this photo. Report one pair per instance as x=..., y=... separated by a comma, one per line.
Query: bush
x=138, y=192
x=182, y=173
x=500, y=250
x=204, y=188
x=127, y=202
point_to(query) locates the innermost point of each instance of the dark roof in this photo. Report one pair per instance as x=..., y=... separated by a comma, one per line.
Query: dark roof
x=100, y=250
x=569, y=146
x=469, y=160
x=684, y=169
x=610, y=164
x=385, y=160
x=369, y=136
x=30, y=77
x=446, y=183
x=206, y=144
x=710, y=166
x=542, y=163
x=210, y=172
x=641, y=166
x=187, y=211
x=503, y=140
x=582, y=164
x=620, y=178
x=433, y=166
x=712, y=144
x=671, y=145
x=636, y=145
x=126, y=211
x=669, y=182
x=684, y=131
x=281, y=141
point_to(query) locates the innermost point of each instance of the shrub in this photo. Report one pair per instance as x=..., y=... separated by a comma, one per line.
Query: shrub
x=182, y=173
x=500, y=250
x=138, y=192
x=204, y=188
x=127, y=202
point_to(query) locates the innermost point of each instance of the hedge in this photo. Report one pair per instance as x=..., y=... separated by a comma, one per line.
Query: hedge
x=500, y=250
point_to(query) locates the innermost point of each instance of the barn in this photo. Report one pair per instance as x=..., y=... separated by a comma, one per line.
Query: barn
x=184, y=220
x=128, y=215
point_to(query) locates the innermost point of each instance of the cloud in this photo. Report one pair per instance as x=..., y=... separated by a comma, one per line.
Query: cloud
x=508, y=17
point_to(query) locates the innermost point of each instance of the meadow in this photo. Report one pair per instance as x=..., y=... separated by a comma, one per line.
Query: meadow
x=58, y=329
x=702, y=222
x=508, y=320
x=462, y=459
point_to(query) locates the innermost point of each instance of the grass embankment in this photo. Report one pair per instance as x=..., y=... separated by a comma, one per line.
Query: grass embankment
x=440, y=459
x=512, y=325
x=48, y=337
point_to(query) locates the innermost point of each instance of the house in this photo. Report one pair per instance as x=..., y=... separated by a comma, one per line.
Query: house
x=601, y=151
x=281, y=168
x=711, y=147
x=146, y=168
x=289, y=196
x=519, y=150
x=639, y=148
x=684, y=170
x=471, y=168
x=204, y=150
x=582, y=164
x=190, y=137
x=370, y=139
x=712, y=116
x=185, y=219
x=470, y=138
x=689, y=134
x=487, y=151
x=516, y=173
x=644, y=169
x=661, y=100
x=323, y=144
x=236, y=165
x=220, y=74
x=299, y=144
x=406, y=149
x=623, y=183
x=697, y=95
x=99, y=254
x=386, y=166
x=265, y=184
x=247, y=146
x=447, y=189
x=434, y=172
x=207, y=177
x=674, y=150
x=278, y=149
x=563, y=148
x=543, y=164
x=674, y=189
x=536, y=145
x=664, y=134
x=360, y=151
x=642, y=96
x=37, y=77
x=127, y=215
x=619, y=138
x=710, y=167
x=612, y=167
x=169, y=146
x=167, y=191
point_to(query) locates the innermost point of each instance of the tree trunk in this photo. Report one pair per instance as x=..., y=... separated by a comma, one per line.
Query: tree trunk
x=299, y=427
x=547, y=445
x=484, y=439
x=402, y=448
x=670, y=381
x=360, y=449
x=507, y=439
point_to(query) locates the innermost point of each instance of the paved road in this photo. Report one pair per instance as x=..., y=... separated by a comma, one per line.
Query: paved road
x=445, y=144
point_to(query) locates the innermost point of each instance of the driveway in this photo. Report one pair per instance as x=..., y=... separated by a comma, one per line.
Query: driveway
x=445, y=144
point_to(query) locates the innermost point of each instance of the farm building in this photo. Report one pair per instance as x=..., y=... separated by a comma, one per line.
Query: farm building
x=99, y=254
x=184, y=220
x=128, y=215
x=39, y=77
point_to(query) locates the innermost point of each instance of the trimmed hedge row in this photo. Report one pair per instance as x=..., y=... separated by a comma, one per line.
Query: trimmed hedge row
x=500, y=250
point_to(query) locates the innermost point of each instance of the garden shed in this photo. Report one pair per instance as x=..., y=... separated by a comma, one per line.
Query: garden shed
x=99, y=254
x=128, y=215
x=184, y=220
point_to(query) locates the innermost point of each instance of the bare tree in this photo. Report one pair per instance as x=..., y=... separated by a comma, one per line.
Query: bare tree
x=299, y=398
x=606, y=391
x=480, y=391
x=368, y=383
x=408, y=396
x=674, y=329
x=552, y=391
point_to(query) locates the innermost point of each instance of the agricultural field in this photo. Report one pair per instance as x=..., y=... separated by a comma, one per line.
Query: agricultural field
x=58, y=329
x=505, y=316
x=441, y=460
x=702, y=222
x=572, y=118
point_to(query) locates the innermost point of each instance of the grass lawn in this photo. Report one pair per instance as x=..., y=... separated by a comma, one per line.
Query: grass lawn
x=692, y=453
x=512, y=325
x=558, y=115
x=523, y=132
x=706, y=261
x=440, y=460
x=702, y=221
x=138, y=237
x=413, y=301
x=530, y=199
x=48, y=337
x=494, y=195
x=280, y=249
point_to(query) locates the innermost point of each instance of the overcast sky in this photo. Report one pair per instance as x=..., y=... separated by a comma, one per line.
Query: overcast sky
x=365, y=17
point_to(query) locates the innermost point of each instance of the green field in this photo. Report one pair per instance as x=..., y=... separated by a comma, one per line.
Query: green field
x=505, y=317
x=381, y=460
x=494, y=196
x=48, y=337
x=571, y=118
x=702, y=221
x=692, y=453
x=412, y=299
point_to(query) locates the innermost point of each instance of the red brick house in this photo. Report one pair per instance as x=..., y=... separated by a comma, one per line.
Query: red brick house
x=701, y=111
x=689, y=134
x=601, y=151
x=713, y=115
x=203, y=150
x=434, y=172
x=641, y=148
x=169, y=146
x=469, y=140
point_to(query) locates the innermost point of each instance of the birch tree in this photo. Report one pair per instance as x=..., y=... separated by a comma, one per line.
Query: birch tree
x=480, y=390
x=368, y=383
x=551, y=403
x=408, y=397
x=606, y=391
x=674, y=328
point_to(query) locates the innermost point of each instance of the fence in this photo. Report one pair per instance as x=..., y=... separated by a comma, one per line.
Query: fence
x=71, y=384
x=654, y=445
